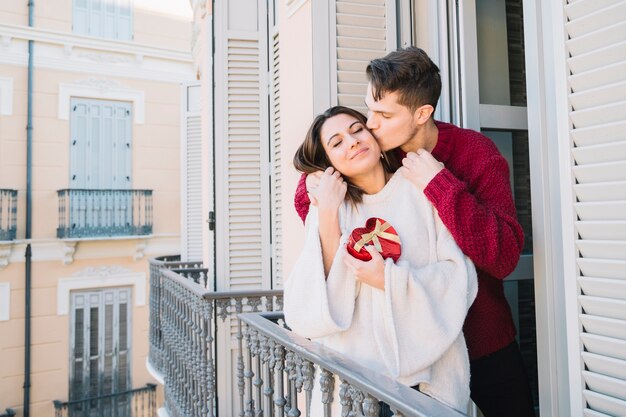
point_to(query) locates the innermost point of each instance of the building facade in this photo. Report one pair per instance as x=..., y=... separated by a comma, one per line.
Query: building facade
x=93, y=189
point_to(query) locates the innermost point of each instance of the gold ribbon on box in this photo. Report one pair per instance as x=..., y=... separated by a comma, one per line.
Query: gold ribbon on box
x=379, y=231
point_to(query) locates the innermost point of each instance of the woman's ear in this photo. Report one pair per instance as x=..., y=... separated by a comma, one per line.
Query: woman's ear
x=422, y=114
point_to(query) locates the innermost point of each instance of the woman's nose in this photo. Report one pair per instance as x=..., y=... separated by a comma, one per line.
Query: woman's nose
x=354, y=141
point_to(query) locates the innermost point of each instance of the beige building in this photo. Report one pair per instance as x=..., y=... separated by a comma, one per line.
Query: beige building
x=109, y=114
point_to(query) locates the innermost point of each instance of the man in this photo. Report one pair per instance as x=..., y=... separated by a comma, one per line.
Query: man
x=467, y=180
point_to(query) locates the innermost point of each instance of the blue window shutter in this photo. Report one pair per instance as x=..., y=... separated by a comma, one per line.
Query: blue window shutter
x=125, y=20
x=80, y=18
x=110, y=20
x=79, y=137
x=100, y=144
x=122, y=145
x=95, y=138
x=96, y=18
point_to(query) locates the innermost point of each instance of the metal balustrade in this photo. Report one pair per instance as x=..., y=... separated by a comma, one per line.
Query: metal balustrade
x=8, y=214
x=155, y=354
x=138, y=402
x=100, y=213
x=279, y=367
x=189, y=317
x=274, y=368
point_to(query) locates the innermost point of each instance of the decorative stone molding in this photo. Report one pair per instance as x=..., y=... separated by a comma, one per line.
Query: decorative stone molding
x=71, y=52
x=104, y=277
x=6, y=96
x=5, y=254
x=100, y=88
x=103, y=271
x=55, y=249
x=139, y=250
x=103, y=57
x=69, y=248
x=5, y=301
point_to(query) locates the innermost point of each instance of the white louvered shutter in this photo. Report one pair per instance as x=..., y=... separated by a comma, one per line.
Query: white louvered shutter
x=275, y=155
x=362, y=34
x=242, y=146
x=192, y=175
x=597, y=81
x=242, y=168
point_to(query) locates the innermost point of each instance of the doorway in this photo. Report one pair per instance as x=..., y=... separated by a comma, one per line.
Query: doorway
x=479, y=47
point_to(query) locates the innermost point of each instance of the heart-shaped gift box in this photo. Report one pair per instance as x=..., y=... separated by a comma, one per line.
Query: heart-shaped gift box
x=378, y=233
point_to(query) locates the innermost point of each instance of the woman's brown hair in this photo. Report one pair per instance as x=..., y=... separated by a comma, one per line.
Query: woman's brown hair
x=311, y=155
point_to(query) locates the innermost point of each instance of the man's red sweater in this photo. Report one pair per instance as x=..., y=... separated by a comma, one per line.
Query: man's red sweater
x=473, y=198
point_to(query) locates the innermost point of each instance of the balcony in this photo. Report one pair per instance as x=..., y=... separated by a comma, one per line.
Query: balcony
x=138, y=402
x=235, y=346
x=104, y=213
x=8, y=214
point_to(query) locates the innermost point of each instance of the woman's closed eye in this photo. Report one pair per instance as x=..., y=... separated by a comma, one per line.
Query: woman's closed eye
x=336, y=143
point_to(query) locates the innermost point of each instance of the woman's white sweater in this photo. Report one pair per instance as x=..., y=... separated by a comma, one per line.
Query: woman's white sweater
x=411, y=331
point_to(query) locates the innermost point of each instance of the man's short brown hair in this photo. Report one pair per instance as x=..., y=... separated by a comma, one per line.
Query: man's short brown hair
x=411, y=73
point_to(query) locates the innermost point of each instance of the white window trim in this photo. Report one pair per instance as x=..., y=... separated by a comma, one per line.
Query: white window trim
x=67, y=91
x=558, y=357
x=100, y=280
x=6, y=96
x=5, y=301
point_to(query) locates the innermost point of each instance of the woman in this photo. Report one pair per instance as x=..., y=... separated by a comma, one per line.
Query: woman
x=401, y=319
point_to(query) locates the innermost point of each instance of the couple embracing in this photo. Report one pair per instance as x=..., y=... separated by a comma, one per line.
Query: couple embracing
x=434, y=316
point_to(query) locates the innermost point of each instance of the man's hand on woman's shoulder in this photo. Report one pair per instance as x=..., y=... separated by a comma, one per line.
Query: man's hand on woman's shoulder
x=420, y=167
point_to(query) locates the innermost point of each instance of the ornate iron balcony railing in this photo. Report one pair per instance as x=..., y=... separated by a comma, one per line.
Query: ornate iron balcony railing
x=155, y=354
x=99, y=213
x=138, y=402
x=273, y=365
x=8, y=214
x=277, y=367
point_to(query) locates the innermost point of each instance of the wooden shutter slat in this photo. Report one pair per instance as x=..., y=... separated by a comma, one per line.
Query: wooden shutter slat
x=605, y=366
x=605, y=385
x=611, y=33
x=602, y=230
x=598, y=76
x=615, y=151
x=597, y=20
x=603, y=172
x=603, y=345
x=602, y=268
x=603, y=326
x=600, y=134
x=582, y=8
x=602, y=249
x=608, y=191
x=604, y=403
x=607, y=93
x=605, y=56
x=607, y=113
x=604, y=307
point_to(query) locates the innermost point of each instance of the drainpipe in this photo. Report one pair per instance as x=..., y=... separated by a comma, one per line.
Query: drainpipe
x=29, y=169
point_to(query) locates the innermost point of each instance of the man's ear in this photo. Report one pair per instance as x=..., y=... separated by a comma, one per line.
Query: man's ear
x=422, y=114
